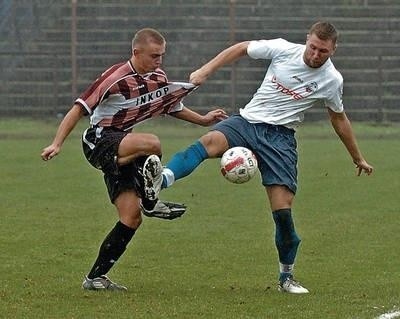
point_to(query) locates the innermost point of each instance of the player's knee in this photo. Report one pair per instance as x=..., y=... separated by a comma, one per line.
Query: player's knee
x=154, y=145
x=208, y=139
x=129, y=214
x=215, y=143
x=137, y=222
x=133, y=221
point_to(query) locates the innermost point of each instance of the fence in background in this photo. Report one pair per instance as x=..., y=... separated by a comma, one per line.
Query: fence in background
x=49, y=53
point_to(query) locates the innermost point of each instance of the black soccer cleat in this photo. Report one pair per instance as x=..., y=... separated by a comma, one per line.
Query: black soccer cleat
x=165, y=210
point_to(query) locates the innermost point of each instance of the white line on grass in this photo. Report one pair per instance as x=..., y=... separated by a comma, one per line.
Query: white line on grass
x=389, y=315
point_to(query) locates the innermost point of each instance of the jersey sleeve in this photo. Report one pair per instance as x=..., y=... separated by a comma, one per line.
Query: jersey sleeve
x=91, y=97
x=335, y=97
x=97, y=91
x=267, y=49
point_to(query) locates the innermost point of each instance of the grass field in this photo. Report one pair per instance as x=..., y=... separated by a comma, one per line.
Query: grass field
x=219, y=259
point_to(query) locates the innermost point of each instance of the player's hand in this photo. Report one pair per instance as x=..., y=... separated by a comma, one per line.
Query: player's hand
x=214, y=116
x=363, y=166
x=49, y=152
x=198, y=77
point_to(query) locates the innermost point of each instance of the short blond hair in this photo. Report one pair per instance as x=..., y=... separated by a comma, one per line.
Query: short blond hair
x=147, y=34
x=324, y=30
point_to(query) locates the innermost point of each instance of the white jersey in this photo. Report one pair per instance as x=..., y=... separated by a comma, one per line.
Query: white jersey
x=290, y=86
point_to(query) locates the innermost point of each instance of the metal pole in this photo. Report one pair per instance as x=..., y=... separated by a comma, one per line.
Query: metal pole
x=381, y=107
x=14, y=25
x=73, y=49
x=56, y=64
x=232, y=36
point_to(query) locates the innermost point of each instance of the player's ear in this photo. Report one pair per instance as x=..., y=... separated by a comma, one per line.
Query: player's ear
x=334, y=49
x=135, y=51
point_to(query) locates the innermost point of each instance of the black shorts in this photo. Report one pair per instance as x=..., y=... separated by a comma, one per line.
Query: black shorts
x=100, y=146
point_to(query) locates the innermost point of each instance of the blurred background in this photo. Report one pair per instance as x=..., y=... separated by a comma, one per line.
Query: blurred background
x=51, y=50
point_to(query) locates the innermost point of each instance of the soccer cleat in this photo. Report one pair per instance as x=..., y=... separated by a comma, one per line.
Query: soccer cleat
x=101, y=283
x=292, y=286
x=165, y=210
x=152, y=176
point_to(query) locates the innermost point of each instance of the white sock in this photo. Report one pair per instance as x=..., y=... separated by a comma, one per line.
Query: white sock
x=168, y=177
x=286, y=268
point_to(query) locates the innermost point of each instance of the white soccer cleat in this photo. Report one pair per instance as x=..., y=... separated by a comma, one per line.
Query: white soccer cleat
x=152, y=175
x=292, y=286
x=101, y=283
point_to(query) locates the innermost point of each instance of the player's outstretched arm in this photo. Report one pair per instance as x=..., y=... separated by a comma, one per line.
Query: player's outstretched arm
x=64, y=129
x=208, y=119
x=227, y=56
x=343, y=129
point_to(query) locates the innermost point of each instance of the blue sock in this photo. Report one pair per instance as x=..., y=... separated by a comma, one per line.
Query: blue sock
x=185, y=162
x=286, y=241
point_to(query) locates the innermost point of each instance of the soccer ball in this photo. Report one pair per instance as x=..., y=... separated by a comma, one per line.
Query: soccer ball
x=238, y=165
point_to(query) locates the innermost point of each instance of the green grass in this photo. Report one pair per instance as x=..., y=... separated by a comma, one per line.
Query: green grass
x=218, y=260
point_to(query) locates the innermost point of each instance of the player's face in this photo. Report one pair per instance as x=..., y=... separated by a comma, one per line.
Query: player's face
x=149, y=57
x=317, y=51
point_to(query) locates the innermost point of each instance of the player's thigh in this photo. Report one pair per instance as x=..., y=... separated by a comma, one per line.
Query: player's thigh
x=134, y=145
x=215, y=143
x=231, y=132
x=279, y=196
x=128, y=207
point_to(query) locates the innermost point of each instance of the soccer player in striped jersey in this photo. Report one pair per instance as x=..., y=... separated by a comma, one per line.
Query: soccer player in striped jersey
x=124, y=95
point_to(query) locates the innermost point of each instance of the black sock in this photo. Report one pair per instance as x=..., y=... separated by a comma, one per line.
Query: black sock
x=111, y=249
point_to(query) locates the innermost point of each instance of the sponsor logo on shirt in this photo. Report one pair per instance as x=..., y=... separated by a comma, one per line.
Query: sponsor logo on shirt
x=299, y=93
x=297, y=78
x=149, y=97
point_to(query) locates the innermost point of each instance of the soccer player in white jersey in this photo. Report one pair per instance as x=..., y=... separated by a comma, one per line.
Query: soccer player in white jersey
x=297, y=78
x=126, y=94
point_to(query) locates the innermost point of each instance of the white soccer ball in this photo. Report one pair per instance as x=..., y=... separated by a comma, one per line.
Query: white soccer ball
x=238, y=164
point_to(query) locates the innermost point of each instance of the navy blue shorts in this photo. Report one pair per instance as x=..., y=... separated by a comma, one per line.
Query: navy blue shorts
x=275, y=147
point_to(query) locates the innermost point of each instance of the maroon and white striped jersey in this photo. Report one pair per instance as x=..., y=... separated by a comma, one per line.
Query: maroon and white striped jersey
x=121, y=97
